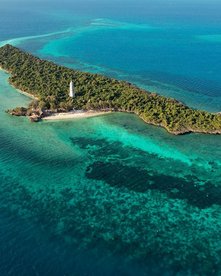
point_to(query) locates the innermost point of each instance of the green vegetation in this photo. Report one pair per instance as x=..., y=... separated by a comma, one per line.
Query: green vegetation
x=49, y=82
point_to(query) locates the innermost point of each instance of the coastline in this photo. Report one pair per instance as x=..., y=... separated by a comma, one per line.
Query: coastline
x=25, y=93
x=74, y=115
x=121, y=96
x=3, y=70
x=92, y=113
x=18, y=90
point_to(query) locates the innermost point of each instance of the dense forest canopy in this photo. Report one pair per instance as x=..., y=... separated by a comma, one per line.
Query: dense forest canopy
x=49, y=82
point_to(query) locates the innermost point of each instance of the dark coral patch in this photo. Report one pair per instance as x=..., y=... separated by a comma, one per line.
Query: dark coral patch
x=139, y=180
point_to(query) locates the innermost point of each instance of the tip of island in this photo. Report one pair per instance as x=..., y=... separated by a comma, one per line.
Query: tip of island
x=59, y=92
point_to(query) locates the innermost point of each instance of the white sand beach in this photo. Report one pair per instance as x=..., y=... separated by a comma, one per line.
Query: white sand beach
x=75, y=115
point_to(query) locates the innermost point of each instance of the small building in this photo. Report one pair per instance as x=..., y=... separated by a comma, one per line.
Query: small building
x=71, y=91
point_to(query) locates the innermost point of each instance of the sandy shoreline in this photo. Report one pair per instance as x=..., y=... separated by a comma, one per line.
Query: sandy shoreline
x=3, y=70
x=62, y=116
x=26, y=94
x=75, y=115
x=18, y=90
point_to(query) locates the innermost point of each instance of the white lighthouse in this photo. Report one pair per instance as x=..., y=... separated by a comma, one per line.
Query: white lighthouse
x=71, y=92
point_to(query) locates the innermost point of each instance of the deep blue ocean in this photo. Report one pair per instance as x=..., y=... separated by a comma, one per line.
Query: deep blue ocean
x=111, y=195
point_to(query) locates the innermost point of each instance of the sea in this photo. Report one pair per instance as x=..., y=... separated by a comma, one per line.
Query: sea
x=111, y=195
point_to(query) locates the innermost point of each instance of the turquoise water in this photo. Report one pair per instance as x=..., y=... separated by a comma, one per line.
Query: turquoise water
x=177, y=57
x=111, y=195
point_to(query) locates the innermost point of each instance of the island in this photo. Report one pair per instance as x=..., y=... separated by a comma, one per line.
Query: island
x=48, y=84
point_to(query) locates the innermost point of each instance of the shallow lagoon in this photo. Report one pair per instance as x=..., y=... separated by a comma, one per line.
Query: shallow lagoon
x=111, y=186
x=111, y=195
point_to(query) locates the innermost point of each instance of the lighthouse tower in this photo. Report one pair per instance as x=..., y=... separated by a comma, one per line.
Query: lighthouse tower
x=71, y=92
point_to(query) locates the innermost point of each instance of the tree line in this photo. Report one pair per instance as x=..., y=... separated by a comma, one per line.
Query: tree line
x=49, y=82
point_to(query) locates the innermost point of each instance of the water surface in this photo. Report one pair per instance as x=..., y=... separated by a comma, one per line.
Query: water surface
x=111, y=195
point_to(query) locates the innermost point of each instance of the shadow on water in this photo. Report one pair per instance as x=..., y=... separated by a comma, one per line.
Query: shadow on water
x=118, y=174
x=138, y=180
